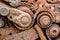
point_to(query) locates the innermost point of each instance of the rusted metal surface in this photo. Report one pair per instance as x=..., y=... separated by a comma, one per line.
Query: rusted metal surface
x=25, y=35
x=40, y=32
x=29, y=19
x=44, y=14
x=58, y=38
x=53, y=31
x=4, y=11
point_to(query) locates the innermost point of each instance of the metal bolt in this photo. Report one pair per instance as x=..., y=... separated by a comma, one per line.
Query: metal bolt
x=25, y=20
x=45, y=20
x=54, y=30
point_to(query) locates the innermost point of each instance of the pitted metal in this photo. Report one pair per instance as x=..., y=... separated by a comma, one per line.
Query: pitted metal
x=30, y=19
x=58, y=38
x=53, y=31
x=41, y=15
x=22, y=19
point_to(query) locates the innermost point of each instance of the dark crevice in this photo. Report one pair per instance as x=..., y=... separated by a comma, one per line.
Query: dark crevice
x=10, y=33
x=36, y=0
x=23, y=1
x=0, y=34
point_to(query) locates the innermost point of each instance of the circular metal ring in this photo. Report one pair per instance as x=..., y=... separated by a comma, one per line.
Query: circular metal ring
x=44, y=19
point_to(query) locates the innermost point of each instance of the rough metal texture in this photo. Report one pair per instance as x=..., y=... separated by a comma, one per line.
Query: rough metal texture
x=25, y=35
x=40, y=32
x=29, y=19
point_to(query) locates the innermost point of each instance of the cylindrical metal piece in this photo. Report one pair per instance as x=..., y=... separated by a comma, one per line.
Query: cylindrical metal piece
x=4, y=11
x=44, y=19
x=14, y=3
x=23, y=19
x=40, y=32
x=53, y=31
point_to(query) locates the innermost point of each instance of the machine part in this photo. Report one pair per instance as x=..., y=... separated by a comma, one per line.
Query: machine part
x=44, y=19
x=25, y=35
x=25, y=9
x=58, y=38
x=52, y=1
x=28, y=3
x=57, y=18
x=32, y=6
x=1, y=23
x=4, y=11
x=53, y=31
x=14, y=3
x=40, y=32
x=45, y=16
x=47, y=5
x=22, y=19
